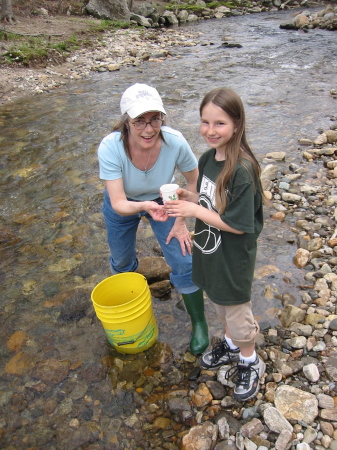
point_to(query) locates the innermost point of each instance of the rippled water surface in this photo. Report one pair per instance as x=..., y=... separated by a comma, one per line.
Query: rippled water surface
x=54, y=249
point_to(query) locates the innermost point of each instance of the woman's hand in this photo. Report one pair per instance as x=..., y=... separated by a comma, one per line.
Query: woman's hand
x=180, y=232
x=157, y=212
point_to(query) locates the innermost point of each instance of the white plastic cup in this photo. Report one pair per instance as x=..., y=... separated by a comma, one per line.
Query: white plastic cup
x=169, y=191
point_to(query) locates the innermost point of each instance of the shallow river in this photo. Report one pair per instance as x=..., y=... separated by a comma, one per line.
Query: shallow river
x=55, y=250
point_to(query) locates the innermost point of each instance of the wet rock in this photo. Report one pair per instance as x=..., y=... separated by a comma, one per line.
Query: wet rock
x=175, y=376
x=7, y=237
x=200, y=437
x=20, y=364
x=283, y=439
x=329, y=414
x=275, y=420
x=154, y=268
x=51, y=371
x=296, y=404
x=301, y=257
x=331, y=367
x=291, y=314
x=202, y=396
x=160, y=288
x=325, y=401
x=121, y=404
x=178, y=405
x=291, y=198
x=280, y=215
x=160, y=355
x=51, y=288
x=277, y=156
x=251, y=428
x=16, y=341
x=217, y=390
x=75, y=307
x=311, y=372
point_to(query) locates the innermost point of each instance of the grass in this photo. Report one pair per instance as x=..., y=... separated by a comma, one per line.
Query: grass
x=36, y=51
x=31, y=51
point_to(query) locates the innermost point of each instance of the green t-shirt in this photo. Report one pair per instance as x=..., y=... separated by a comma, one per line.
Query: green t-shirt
x=223, y=262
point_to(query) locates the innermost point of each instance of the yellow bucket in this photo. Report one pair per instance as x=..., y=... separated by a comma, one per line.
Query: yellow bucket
x=123, y=304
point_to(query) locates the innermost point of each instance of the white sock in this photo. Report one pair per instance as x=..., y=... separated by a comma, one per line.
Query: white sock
x=248, y=359
x=230, y=343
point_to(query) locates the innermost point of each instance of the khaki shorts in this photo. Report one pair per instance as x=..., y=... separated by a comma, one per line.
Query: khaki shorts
x=240, y=322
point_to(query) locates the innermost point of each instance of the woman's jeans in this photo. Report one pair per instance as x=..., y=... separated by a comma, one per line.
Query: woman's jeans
x=121, y=233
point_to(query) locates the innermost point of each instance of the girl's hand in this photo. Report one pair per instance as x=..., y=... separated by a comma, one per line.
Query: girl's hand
x=157, y=212
x=182, y=193
x=181, y=233
x=180, y=208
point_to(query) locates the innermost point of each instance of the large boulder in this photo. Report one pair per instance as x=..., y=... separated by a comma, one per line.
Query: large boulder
x=109, y=9
x=144, y=9
x=141, y=20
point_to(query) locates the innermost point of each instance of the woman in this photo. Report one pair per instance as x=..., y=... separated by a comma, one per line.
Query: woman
x=138, y=157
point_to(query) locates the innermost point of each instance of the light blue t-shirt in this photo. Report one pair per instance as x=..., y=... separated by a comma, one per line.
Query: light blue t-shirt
x=138, y=184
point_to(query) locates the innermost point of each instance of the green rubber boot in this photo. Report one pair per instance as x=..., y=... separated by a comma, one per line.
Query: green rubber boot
x=195, y=307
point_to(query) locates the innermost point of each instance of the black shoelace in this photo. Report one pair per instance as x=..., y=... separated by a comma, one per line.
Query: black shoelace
x=220, y=350
x=242, y=372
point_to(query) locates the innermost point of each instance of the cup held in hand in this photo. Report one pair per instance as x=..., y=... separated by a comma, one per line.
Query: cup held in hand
x=169, y=191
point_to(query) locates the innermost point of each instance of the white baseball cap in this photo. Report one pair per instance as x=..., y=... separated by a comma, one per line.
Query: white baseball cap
x=139, y=99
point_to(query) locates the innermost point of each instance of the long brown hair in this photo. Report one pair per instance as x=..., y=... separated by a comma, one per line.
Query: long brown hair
x=123, y=126
x=237, y=149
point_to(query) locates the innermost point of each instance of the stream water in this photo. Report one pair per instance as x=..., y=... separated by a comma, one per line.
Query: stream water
x=55, y=250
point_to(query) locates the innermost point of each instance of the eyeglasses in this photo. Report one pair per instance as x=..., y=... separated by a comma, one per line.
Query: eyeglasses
x=140, y=124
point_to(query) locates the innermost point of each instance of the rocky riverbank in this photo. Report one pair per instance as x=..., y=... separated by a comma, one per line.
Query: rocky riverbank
x=55, y=394
x=297, y=404
x=113, y=50
x=157, y=400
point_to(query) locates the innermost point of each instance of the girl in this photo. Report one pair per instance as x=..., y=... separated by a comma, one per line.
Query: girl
x=229, y=219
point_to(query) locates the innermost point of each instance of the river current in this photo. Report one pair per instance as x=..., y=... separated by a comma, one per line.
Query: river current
x=55, y=250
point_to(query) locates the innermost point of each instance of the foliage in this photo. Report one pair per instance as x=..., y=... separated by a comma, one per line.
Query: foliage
x=40, y=50
x=196, y=8
x=181, y=6
x=106, y=25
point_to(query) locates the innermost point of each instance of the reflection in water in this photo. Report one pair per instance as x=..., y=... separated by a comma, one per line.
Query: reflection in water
x=53, y=239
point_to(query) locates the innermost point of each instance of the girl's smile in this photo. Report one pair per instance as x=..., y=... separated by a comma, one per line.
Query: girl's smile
x=217, y=128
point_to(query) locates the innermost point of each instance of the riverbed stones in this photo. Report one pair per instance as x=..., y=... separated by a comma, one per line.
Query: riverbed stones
x=200, y=437
x=296, y=404
x=156, y=391
x=326, y=19
x=275, y=420
x=301, y=257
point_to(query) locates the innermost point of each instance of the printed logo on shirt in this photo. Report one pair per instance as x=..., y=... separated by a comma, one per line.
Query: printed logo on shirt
x=209, y=239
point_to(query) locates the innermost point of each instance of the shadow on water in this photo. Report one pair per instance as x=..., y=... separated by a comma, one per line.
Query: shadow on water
x=56, y=363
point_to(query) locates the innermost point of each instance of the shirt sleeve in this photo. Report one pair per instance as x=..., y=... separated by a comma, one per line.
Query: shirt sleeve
x=186, y=160
x=110, y=164
x=240, y=209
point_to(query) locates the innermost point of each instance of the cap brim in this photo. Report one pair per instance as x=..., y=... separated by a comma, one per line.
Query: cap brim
x=138, y=110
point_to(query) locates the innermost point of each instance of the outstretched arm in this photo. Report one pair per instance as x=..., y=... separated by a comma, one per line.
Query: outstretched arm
x=124, y=207
x=182, y=208
x=179, y=229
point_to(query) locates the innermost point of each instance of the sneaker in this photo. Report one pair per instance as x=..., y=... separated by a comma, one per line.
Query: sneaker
x=219, y=355
x=246, y=379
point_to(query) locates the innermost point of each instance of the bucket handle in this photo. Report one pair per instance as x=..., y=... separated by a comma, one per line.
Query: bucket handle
x=135, y=340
